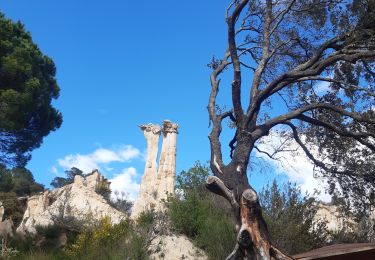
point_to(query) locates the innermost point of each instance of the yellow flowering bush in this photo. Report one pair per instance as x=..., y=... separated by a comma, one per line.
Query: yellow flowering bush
x=108, y=241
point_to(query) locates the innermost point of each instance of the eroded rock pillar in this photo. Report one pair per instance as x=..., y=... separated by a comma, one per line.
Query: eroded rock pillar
x=167, y=168
x=148, y=189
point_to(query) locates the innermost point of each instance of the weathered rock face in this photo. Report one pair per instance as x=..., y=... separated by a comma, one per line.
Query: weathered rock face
x=156, y=182
x=334, y=219
x=78, y=200
x=6, y=225
x=175, y=247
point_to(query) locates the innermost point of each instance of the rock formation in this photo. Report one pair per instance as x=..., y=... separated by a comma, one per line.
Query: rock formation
x=175, y=247
x=78, y=201
x=335, y=220
x=6, y=226
x=157, y=182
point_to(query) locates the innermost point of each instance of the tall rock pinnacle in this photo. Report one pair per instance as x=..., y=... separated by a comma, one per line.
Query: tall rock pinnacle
x=157, y=183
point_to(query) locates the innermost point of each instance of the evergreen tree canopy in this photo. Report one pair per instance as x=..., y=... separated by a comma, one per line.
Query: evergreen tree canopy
x=18, y=180
x=15, y=183
x=59, y=182
x=27, y=87
x=286, y=208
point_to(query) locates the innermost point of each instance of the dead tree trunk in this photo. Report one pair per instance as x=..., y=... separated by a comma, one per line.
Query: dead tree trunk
x=281, y=57
x=253, y=241
x=231, y=182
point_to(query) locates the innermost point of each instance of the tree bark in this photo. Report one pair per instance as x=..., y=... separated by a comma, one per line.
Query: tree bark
x=253, y=240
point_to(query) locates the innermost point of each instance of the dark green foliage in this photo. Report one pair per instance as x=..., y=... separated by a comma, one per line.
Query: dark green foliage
x=12, y=206
x=200, y=215
x=107, y=241
x=290, y=218
x=15, y=183
x=186, y=214
x=27, y=87
x=59, y=182
x=193, y=179
x=22, y=243
x=24, y=183
x=146, y=219
x=50, y=232
x=201, y=220
x=6, y=179
x=101, y=240
x=363, y=231
x=103, y=189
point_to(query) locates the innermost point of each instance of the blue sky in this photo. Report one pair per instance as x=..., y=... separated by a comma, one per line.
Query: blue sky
x=121, y=64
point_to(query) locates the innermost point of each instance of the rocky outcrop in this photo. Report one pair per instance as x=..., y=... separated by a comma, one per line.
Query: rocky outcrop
x=157, y=182
x=330, y=213
x=6, y=225
x=335, y=219
x=175, y=247
x=77, y=201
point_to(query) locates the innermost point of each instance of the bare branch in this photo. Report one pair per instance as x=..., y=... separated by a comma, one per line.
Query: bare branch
x=237, y=78
x=311, y=156
x=342, y=84
x=247, y=66
x=216, y=155
x=282, y=14
x=264, y=152
x=228, y=114
x=215, y=185
x=265, y=52
x=358, y=136
x=229, y=7
x=295, y=113
x=289, y=77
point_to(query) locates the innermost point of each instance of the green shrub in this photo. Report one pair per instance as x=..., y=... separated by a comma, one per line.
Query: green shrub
x=286, y=208
x=202, y=216
x=146, y=219
x=42, y=255
x=208, y=226
x=103, y=189
x=107, y=241
x=49, y=232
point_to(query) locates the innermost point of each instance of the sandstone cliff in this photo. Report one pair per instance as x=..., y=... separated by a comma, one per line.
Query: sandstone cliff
x=335, y=220
x=157, y=182
x=78, y=200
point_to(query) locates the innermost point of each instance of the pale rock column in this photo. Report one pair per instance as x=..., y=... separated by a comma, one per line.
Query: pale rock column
x=148, y=189
x=78, y=180
x=93, y=179
x=1, y=211
x=167, y=168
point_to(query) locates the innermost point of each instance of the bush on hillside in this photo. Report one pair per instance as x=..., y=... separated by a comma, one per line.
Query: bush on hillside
x=290, y=217
x=107, y=241
x=200, y=215
x=121, y=202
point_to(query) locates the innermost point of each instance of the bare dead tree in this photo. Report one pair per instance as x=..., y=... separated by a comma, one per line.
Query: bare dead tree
x=287, y=51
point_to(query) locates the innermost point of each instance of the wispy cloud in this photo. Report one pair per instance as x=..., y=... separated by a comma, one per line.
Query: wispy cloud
x=294, y=164
x=122, y=179
x=126, y=182
x=101, y=157
x=322, y=87
x=54, y=170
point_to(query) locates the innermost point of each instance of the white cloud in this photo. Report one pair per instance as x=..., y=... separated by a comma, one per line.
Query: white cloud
x=322, y=87
x=129, y=152
x=295, y=164
x=54, y=170
x=100, y=157
x=125, y=182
